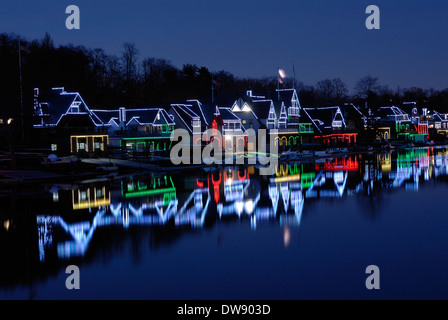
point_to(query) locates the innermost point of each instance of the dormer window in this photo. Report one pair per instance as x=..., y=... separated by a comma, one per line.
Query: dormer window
x=337, y=124
x=74, y=108
x=246, y=108
x=236, y=108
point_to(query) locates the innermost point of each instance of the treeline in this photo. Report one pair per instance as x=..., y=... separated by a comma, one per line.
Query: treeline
x=108, y=81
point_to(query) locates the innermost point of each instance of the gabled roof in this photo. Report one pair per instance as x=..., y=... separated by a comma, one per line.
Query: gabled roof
x=106, y=116
x=206, y=113
x=352, y=111
x=440, y=116
x=184, y=113
x=409, y=108
x=287, y=95
x=323, y=118
x=261, y=108
x=390, y=111
x=148, y=116
x=57, y=102
x=227, y=114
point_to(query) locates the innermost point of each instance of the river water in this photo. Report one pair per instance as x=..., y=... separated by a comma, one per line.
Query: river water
x=307, y=232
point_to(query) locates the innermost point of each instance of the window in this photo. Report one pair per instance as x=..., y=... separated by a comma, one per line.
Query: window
x=54, y=147
x=81, y=146
x=74, y=108
x=337, y=124
x=98, y=145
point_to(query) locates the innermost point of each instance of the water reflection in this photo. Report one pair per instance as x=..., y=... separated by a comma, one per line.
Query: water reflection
x=67, y=217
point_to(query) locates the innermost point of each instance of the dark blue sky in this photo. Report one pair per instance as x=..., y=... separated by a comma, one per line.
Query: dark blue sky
x=251, y=38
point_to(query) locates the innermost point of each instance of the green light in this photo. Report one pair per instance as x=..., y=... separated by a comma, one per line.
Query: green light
x=149, y=192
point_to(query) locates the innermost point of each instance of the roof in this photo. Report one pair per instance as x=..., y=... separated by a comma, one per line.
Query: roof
x=149, y=116
x=390, y=111
x=351, y=111
x=408, y=107
x=106, y=115
x=286, y=95
x=261, y=108
x=58, y=105
x=205, y=112
x=184, y=114
x=57, y=102
x=227, y=114
x=322, y=118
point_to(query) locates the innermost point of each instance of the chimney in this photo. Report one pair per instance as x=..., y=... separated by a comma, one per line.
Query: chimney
x=122, y=117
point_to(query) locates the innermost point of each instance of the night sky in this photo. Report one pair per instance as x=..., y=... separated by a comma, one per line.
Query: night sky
x=252, y=38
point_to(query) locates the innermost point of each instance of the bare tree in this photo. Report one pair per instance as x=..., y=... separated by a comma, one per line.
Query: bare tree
x=333, y=90
x=129, y=57
x=366, y=86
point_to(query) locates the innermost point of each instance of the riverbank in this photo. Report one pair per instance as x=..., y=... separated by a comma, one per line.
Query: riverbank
x=110, y=168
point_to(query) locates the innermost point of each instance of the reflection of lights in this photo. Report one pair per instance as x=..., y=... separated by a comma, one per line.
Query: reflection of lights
x=249, y=206
x=286, y=236
x=239, y=207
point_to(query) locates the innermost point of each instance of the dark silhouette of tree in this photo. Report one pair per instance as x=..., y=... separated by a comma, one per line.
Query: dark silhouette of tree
x=129, y=57
x=366, y=86
x=332, y=91
x=109, y=81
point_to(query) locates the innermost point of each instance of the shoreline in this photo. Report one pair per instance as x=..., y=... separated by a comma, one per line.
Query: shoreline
x=129, y=168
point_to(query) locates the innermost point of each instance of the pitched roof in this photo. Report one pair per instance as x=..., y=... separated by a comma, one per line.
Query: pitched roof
x=205, y=112
x=149, y=116
x=106, y=115
x=227, y=114
x=57, y=102
x=352, y=111
x=384, y=112
x=322, y=118
x=261, y=108
x=286, y=95
x=184, y=114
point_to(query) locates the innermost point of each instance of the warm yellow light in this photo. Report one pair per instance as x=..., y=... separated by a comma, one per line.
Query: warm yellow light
x=6, y=225
x=10, y=120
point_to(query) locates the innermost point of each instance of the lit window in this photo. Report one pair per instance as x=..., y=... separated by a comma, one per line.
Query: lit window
x=98, y=145
x=81, y=146
x=337, y=124
x=75, y=107
x=54, y=147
